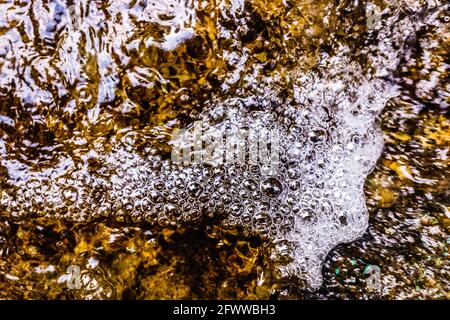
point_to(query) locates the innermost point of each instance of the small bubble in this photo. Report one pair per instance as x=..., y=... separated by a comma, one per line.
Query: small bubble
x=69, y=195
x=195, y=190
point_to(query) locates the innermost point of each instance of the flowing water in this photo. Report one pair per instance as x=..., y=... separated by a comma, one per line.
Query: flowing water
x=355, y=204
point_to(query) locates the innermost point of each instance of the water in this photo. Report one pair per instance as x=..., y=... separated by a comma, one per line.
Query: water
x=92, y=94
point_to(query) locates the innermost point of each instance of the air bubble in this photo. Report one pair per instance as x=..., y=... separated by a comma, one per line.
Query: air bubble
x=69, y=195
x=272, y=187
x=194, y=190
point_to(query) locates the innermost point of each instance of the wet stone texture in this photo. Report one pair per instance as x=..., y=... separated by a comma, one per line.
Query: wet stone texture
x=93, y=207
